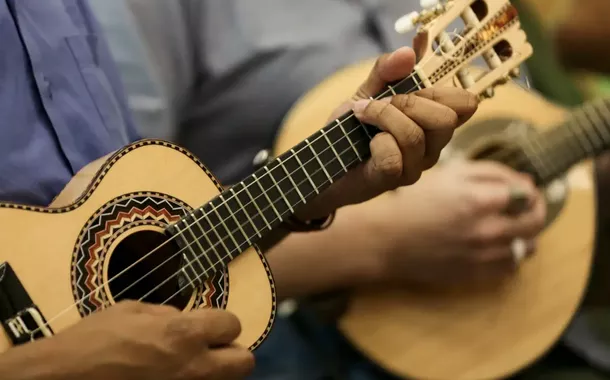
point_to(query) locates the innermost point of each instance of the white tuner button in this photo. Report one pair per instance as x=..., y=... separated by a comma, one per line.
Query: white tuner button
x=406, y=23
x=427, y=4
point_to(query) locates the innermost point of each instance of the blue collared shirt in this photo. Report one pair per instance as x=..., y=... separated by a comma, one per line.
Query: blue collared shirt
x=61, y=100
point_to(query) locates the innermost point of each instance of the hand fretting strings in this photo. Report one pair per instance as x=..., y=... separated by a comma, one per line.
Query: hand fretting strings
x=388, y=92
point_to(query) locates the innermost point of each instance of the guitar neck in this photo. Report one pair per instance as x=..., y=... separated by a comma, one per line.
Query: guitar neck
x=585, y=134
x=217, y=232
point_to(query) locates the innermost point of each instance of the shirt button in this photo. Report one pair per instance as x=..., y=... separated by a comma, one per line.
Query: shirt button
x=45, y=86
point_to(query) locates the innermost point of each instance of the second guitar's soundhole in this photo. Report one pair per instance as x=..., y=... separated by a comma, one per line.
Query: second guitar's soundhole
x=153, y=279
x=486, y=151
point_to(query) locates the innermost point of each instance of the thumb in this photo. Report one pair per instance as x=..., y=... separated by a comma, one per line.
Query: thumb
x=387, y=69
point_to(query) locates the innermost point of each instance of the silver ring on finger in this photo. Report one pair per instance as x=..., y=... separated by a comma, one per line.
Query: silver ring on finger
x=518, y=248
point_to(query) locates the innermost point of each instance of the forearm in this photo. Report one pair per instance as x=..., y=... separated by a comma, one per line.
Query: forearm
x=33, y=361
x=338, y=257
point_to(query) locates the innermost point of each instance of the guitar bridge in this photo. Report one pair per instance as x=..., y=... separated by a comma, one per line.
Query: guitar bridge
x=21, y=319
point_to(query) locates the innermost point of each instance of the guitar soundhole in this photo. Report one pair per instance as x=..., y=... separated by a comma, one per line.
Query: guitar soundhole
x=487, y=152
x=143, y=268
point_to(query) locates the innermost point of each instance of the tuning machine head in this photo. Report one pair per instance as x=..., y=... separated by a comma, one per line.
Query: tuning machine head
x=431, y=9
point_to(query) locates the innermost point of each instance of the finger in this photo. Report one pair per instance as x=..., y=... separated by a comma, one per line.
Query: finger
x=231, y=362
x=140, y=307
x=387, y=68
x=461, y=101
x=407, y=134
x=495, y=198
x=494, y=171
x=437, y=120
x=501, y=251
x=211, y=327
x=528, y=223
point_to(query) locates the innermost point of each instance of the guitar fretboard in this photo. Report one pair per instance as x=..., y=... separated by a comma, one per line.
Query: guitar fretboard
x=585, y=134
x=214, y=234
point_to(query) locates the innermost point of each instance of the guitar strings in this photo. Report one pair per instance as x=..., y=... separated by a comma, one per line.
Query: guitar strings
x=385, y=93
x=58, y=315
x=509, y=152
x=516, y=162
x=199, y=276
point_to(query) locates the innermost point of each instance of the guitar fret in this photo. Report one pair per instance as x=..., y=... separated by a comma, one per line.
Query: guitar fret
x=279, y=216
x=589, y=133
x=348, y=139
x=235, y=219
x=305, y=171
x=256, y=205
x=224, y=225
x=279, y=189
x=392, y=90
x=583, y=140
x=549, y=165
x=334, y=150
x=189, y=248
x=221, y=240
x=592, y=112
x=279, y=160
x=247, y=215
x=191, y=281
x=195, y=221
x=319, y=161
x=207, y=239
x=530, y=153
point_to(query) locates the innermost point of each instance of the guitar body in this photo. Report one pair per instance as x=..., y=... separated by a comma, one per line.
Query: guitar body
x=470, y=334
x=111, y=214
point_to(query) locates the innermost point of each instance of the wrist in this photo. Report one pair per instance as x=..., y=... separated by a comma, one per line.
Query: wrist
x=35, y=361
x=378, y=241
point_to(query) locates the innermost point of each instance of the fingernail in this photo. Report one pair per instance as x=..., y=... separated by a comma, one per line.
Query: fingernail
x=359, y=106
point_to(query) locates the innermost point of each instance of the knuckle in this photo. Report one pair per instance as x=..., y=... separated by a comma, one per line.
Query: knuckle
x=405, y=102
x=390, y=165
x=361, y=94
x=416, y=138
x=477, y=202
x=485, y=235
x=383, y=110
x=180, y=329
x=447, y=119
x=132, y=306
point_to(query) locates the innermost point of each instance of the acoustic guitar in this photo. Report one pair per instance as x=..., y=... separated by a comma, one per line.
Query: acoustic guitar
x=494, y=333
x=151, y=223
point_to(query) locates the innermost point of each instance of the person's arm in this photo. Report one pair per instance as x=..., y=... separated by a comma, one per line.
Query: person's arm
x=344, y=255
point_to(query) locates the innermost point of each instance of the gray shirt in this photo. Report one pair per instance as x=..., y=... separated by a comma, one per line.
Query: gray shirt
x=218, y=76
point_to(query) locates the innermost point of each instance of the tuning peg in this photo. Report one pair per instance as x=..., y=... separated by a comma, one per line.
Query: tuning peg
x=428, y=4
x=406, y=23
x=515, y=73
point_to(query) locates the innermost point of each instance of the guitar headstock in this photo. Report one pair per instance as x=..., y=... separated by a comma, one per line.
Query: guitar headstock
x=491, y=30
